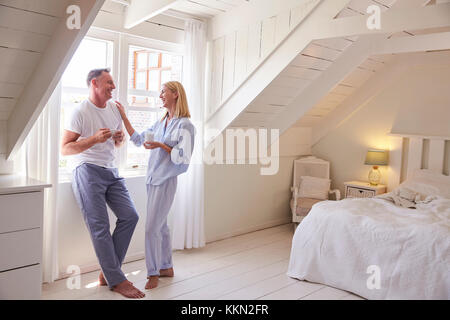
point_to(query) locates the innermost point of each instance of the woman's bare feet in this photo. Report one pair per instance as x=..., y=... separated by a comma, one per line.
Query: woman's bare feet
x=102, y=280
x=152, y=282
x=127, y=289
x=166, y=272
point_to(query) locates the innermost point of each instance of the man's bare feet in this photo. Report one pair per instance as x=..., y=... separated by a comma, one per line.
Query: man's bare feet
x=152, y=282
x=102, y=280
x=166, y=272
x=127, y=289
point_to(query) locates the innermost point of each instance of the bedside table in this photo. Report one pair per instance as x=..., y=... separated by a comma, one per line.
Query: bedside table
x=360, y=189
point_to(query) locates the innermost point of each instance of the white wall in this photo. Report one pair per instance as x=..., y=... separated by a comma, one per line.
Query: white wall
x=418, y=103
x=238, y=199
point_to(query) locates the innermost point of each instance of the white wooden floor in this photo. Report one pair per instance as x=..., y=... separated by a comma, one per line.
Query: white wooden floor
x=246, y=267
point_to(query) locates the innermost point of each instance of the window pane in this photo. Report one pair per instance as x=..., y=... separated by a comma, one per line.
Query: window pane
x=91, y=54
x=141, y=121
x=141, y=60
x=153, y=80
x=141, y=80
x=166, y=76
x=154, y=60
x=166, y=60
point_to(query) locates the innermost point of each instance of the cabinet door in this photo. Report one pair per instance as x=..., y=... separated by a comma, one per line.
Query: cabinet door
x=21, y=211
x=21, y=248
x=21, y=284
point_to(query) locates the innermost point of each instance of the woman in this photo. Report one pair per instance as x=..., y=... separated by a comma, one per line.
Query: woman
x=170, y=154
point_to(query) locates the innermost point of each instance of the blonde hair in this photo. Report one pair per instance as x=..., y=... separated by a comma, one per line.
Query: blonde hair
x=181, y=107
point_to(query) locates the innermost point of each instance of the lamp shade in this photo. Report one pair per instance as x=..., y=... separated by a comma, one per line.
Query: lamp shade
x=377, y=157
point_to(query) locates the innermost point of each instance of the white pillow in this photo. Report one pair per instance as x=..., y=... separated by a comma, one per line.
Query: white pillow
x=315, y=188
x=428, y=183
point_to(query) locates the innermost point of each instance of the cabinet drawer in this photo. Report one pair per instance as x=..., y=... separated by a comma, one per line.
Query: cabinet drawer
x=23, y=283
x=359, y=193
x=21, y=248
x=21, y=211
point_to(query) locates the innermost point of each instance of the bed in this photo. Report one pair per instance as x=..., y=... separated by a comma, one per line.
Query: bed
x=376, y=248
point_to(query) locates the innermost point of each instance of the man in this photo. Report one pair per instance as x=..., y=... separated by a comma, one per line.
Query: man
x=92, y=133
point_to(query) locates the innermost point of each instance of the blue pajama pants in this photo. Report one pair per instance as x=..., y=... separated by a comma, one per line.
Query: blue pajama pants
x=94, y=187
x=158, y=248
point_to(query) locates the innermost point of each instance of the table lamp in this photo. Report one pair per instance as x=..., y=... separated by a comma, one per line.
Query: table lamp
x=376, y=158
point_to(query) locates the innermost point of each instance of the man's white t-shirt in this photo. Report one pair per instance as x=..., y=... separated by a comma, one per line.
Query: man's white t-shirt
x=86, y=120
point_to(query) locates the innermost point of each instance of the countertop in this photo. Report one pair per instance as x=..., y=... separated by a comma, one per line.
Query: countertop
x=18, y=184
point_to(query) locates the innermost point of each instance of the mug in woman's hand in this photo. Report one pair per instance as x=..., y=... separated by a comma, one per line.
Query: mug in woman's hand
x=149, y=136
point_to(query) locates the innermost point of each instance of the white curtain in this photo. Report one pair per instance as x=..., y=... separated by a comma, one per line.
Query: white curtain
x=188, y=207
x=41, y=163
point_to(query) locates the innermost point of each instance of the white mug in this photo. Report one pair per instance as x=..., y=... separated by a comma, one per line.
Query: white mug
x=113, y=132
x=149, y=136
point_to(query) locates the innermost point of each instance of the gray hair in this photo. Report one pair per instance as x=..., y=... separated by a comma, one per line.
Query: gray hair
x=95, y=74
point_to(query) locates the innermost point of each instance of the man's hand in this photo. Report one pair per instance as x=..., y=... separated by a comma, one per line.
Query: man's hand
x=102, y=135
x=118, y=137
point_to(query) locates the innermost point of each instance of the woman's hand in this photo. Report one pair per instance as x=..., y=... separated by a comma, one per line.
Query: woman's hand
x=152, y=145
x=155, y=144
x=121, y=110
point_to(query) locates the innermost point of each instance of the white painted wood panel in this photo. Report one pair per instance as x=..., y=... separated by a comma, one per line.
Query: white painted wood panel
x=15, y=74
x=19, y=58
x=10, y=90
x=21, y=283
x=343, y=89
x=266, y=108
x=18, y=19
x=267, y=36
x=217, y=72
x=288, y=81
x=56, y=8
x=241, y=56
x=21, y=248
x=282, y=26
x=23, y=40
x=283, y=91
x=339, y=44
x=414, y=155
x=357, y=77
x=21, y=211
x=317, y=51
x=229, y=64
x=310, y=62
x=254, y=46
x=436, y=155
x=300, y=72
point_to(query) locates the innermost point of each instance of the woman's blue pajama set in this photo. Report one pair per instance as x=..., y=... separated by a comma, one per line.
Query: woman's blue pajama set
x=163, y=169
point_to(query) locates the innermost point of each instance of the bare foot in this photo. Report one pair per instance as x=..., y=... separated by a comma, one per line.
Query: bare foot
x=102, y=280
x=152, y=282
x=127, y=289
x=166, y=272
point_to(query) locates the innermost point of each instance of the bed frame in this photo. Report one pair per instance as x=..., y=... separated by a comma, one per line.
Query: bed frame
x=410, y=152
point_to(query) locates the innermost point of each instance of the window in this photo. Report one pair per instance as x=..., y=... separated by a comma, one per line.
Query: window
x=91, y=54
x=147, y=70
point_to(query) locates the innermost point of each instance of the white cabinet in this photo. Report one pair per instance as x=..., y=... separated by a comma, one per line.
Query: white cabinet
x=21, y=214
x=359, y=189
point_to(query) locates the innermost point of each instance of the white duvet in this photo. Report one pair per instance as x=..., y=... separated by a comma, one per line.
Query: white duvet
x=350, y=244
